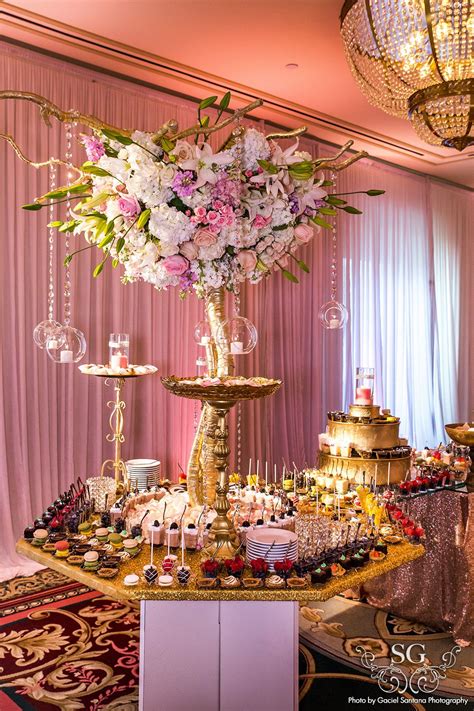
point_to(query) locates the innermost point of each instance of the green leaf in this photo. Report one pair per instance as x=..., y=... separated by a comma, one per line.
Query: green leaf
x=322, y=223
x=67, y=226
x=115, y=263
x=207, y=102
x=100, y=228
x=302, y=265
x=116, y=136
x=327, y=183
x=268, y=167
x=327, y=211
x=224, y=102
x=110, y=152
x=109, y=228
x=302, y=170
x=95, y=170
x=120, y=244
x=167, y=145
x=279, y=228
x=32, y=206
x=72, y=189
x=178, y=204
x=68, y=260
x=291, y=277
x=55, y=223
x=374, y=193
x=352, y=210
x=98, y=269
x=204, y=122
x=97, y=200
x=60, y=193
x=333, y=200
x=107, y=239
x=261, y=266
x=143, y=219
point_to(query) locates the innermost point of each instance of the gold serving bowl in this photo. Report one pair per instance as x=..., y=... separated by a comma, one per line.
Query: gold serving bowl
x=221, y=392
x=460, y=436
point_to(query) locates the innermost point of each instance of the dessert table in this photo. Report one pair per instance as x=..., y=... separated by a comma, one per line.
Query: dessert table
x=198, y=645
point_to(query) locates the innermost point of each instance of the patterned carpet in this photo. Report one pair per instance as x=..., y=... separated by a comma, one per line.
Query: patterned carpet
x=65, y=646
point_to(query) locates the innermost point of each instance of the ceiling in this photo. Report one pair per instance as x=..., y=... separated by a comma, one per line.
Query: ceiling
x=198, y=47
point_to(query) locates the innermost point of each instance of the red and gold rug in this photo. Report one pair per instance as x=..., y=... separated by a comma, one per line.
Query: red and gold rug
x=65, y=646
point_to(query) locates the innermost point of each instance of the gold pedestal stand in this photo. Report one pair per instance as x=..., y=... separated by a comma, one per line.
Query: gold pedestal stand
x=223, y=541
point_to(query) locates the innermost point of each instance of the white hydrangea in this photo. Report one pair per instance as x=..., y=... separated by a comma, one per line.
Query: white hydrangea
x=170, y=225
x=253, y=147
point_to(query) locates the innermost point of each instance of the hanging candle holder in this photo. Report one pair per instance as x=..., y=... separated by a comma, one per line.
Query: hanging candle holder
x=333, y=315
x=49, y=329
x=71, y=344
x=238, y=332
x=202, y=333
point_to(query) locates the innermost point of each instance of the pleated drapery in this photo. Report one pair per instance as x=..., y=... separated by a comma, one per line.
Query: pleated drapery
x=404, y=274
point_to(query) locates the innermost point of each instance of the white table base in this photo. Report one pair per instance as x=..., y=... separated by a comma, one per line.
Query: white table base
x=218, y=656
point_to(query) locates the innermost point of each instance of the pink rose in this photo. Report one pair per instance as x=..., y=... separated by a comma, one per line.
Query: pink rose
x=189, y=250
x=260, y=221
x=128, y=205
x=200, y=212
x=204, y=238
x=247, y=260
x=303, y=233
x=175, y=265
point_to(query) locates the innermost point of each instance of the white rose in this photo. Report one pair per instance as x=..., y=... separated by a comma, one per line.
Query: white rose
x=167, y=173
x=183, y=151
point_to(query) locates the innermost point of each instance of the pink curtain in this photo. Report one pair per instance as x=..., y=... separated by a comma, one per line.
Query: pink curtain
x=53, y=420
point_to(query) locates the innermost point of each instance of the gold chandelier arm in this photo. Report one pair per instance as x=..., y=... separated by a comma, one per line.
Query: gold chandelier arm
x=48, y=110
x=37, y=164
x=207, y=130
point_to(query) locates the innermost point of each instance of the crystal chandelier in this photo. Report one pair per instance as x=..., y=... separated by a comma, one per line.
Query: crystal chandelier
x=415, y=57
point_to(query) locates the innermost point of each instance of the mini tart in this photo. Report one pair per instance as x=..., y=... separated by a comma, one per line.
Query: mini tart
x=49, y=548
x=275, y=582
x=337, y=570
x=75, y=559
x=230, y=582
x=388, y=539
x=206, y=583
x=252, y=583
x=296, y=583
x=107, y=572
x=376, y=556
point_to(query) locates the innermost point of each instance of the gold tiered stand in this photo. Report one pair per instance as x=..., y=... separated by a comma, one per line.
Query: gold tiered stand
x=223, y=541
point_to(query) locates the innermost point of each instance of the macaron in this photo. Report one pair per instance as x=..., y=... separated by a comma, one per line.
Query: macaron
x=101, y=534
x=85, y=528
x=62, y=549
x=131, y=580
x=91, y=560
x=116, y=540
x=40, y=536
x=165, y=581
x=131, y=546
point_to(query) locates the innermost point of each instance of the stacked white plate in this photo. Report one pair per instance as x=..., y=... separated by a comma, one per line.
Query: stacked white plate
x=272, y=544
x=143, y=473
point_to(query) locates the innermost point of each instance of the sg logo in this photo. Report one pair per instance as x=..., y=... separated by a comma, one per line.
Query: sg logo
x=400, y=654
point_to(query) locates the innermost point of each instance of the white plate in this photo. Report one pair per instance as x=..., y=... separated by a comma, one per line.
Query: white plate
x=143, y=462
x=268, y=535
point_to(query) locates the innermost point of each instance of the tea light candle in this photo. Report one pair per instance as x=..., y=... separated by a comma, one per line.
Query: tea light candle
x=66, y=357
x=52, y=343
x=334, y=323
x=236, y=347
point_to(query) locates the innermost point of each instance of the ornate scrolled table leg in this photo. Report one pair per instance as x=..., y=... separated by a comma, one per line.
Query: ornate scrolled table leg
x=117, y=406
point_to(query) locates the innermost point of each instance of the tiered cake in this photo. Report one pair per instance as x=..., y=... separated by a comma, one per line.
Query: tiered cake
x=364, y=443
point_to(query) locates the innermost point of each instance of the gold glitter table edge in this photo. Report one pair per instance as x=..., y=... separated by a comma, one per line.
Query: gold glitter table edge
x=397, y=555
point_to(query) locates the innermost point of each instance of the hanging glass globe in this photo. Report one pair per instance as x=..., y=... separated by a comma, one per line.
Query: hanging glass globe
x=72, y=348
x=45, y=331
x=239, y=333
x=333, y=315
x=202, y=333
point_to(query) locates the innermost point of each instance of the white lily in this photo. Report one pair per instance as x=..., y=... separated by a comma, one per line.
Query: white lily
x=202, y=164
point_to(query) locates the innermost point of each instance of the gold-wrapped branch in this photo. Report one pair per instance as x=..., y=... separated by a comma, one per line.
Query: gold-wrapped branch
x=330, y=162
x=207, y=130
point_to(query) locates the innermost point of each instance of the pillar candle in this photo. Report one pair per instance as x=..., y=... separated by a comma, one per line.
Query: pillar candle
x=66, y=357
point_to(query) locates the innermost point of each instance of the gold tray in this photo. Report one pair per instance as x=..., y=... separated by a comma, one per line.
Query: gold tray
x=460, y=436
x=397, y=555
x=220, y=392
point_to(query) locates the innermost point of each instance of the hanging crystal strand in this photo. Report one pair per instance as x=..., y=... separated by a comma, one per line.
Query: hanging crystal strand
x=239, y=404
x=333, y=315
x=73, y=346
x=47, y=332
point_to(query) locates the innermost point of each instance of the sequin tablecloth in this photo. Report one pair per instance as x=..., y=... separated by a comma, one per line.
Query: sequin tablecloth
x=437, y=589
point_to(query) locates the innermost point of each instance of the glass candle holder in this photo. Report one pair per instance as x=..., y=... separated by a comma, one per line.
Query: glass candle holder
x=119, y=346
x=364, y=394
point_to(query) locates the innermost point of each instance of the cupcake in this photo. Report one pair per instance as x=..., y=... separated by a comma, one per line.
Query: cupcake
x=40, y=536
x=116, y=540
x=62, y=549
x=190, y=537
x=275, y=582
x=230, y=582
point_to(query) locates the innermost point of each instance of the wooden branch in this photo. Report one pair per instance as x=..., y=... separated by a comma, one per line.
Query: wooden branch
x=48, y=109
x=35, y=164
x=206, y=131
